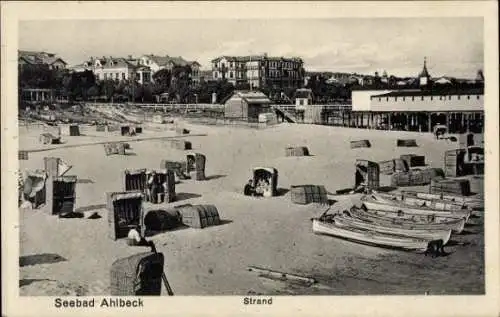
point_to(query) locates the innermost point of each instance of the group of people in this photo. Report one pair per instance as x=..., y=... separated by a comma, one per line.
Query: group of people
x=154, y=186
x=262, y=188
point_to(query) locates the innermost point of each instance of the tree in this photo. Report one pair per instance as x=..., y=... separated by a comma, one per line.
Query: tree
x=76, y=85
x=108, y=89
x=163, y=80
x=38, y=76
x=93, y=92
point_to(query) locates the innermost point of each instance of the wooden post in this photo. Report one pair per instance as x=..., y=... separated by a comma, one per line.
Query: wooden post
x=462, y=121
x=447, y=114
x=482, y=122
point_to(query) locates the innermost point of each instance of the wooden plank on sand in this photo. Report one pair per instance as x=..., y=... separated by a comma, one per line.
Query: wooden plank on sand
x=281, y=275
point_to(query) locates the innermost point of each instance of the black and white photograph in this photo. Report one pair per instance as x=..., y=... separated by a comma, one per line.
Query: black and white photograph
x=255, y=158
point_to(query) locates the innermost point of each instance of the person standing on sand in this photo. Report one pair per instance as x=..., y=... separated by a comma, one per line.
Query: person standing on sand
x=153, y=187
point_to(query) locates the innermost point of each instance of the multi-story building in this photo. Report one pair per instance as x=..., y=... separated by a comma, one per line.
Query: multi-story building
x=260, y=71
x=41, y=58
x=157, y=63
x=116, y=68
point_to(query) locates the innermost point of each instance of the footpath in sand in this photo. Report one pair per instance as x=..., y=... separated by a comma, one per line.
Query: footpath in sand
x=74, y=256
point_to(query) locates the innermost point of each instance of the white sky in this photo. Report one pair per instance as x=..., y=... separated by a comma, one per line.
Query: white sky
x=453, y=46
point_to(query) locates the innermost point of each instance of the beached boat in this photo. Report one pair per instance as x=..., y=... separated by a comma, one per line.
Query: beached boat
x=437, y=204
x=369, y=237
x=415, y=222
x=470, y=202
x=396, y=207
x=427, y=234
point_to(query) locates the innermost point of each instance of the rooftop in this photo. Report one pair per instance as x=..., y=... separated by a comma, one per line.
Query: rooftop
x=248, y=58
x=39, y=57
x=253, y=97
x=434, y=92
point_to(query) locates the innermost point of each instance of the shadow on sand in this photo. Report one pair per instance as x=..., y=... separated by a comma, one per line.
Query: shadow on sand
x=186, y=196
x=151, y=233
x=209, y=178
x=90, y=207
x=281, y=191
x=28, y=281
x=43, y=258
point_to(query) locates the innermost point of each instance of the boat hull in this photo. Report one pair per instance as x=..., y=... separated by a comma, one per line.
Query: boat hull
x=393, y=220
x=370, y=237
x=427, y=234
x=470, y=202
x=399, y=208
x=414, y=201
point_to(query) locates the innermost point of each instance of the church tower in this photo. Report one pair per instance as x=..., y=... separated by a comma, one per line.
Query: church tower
x=424, y=75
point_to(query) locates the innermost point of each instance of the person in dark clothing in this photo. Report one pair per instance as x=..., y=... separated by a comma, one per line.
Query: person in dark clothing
x=153, y=187
x=249, y=190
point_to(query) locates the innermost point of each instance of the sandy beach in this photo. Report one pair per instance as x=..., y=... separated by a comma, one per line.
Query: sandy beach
x=271, y=233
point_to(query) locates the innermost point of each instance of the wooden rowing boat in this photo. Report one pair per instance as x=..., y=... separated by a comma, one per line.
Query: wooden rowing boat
x=369, y=237
x=469, y=202
x=436, y=204
x=427, y=234
x=396, y=207
x=416, y=222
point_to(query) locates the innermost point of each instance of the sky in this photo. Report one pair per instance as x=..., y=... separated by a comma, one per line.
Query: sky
x=452, y=46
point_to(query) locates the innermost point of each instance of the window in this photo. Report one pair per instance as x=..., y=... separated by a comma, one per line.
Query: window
x=216, y=74
x=117, y=75
x=230, y=74
x=123, y=76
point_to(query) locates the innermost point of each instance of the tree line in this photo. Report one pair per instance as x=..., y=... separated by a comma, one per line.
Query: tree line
x=175, y=85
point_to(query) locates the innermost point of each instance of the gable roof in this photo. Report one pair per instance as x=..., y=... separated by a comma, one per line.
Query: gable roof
x=34, y=57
